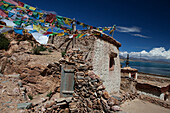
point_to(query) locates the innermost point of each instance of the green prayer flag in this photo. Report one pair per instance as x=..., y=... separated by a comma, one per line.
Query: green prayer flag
x=78, y=36
x=18, y=22
x=9, y=8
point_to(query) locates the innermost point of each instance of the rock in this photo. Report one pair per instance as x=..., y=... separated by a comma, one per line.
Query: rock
x=80, y=73
x=24, y=105
x=36, y=102
x=62, y=103
x=118, y=98
x=115, y=108
x=101, y=87
x=13, y=47
x=25, y=46
x=49, y=104
x=89, y=103
x=20, y=84
x=13, y=75
x=111, y=101
x=59, y=100
x=80, y=77
x=105, y=95
x=1, y=75
x=92, y=97
x=5, y=81
x=73, y=105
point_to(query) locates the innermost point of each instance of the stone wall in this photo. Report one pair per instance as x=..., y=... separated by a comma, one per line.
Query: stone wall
x=101, y=60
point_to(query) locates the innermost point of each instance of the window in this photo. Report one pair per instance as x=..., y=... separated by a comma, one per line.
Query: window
x=111, y=64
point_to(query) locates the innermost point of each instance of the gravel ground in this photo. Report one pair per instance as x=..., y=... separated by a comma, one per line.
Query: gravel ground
x=139, y=106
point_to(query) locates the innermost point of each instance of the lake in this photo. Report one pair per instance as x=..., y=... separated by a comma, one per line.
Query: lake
x=150, y=67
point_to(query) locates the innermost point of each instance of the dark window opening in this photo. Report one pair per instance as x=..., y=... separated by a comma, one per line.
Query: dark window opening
x=112, y=63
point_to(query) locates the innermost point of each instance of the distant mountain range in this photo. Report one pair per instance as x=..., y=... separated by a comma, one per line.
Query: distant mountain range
x=142, y=60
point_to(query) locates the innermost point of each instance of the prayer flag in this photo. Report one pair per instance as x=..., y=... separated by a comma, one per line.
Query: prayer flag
x=20, y=4
x=11, y=2
x=32, y=8
x=81, y=35
x=60, y=34
x=71, y=36
x=18, y=31
x=3, y=14
x=67, y=22
x=36, y=27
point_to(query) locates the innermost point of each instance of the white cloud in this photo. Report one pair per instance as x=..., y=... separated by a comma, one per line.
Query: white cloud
x=154, y=54
x=128, y=29
x=139, y=35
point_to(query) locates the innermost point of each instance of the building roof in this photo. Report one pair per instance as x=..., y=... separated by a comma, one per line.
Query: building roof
x=128, y=69
x=152, y=83
x=105, y=37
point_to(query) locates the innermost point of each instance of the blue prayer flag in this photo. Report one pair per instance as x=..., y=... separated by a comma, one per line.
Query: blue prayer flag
x=18, y=31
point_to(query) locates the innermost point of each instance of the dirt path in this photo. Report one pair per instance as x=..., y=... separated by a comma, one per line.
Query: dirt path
x=139, y=106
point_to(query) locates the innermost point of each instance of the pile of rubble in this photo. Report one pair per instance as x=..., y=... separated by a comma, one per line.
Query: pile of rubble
x=91, y=96
x=127, y=96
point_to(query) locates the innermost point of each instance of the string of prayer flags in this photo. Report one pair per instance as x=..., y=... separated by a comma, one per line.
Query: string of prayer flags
x=42, y=22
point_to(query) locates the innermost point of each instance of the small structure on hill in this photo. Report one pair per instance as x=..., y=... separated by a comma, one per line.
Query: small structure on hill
x=130, y=72
x=99, y=49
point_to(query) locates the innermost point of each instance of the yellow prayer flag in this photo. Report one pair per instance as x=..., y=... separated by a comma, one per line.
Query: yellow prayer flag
x=36, y=27
x=23, y=8
x=44, y=28
x=42, y=21
x=81, y=35
x=67, y=21
x=32, y=8
x=5, y=33
x=40, y=14
x=60, y=34
x=81, y=24
x=6, y=12
x=6, y=5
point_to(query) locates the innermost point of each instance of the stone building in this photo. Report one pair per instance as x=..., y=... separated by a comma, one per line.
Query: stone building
x=101, y=50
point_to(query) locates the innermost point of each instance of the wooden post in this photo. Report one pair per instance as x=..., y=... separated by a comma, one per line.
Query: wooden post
x=52, y=40
x=112, y=33
x=74, y=31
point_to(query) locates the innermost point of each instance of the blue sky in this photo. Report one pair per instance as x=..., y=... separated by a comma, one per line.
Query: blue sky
x=141, y=25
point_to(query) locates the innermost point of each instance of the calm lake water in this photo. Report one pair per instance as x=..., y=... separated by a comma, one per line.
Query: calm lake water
x=150, y=67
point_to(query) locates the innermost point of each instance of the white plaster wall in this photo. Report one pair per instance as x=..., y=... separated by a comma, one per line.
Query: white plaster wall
x=101, y=60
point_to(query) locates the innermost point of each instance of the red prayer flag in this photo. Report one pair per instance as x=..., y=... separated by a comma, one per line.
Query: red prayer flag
x=50, y=18
x=1, y=26
x=2, y=13
x=11, y=1
x=21, y=4
x=47, y=33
